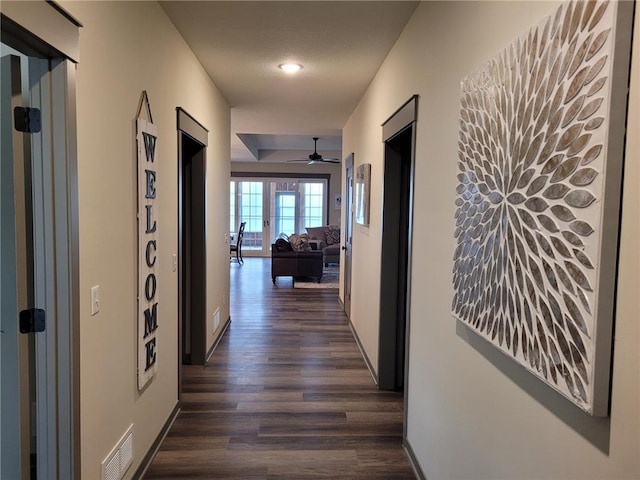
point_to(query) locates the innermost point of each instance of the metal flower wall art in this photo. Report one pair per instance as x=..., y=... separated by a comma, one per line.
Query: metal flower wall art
x=531, y=177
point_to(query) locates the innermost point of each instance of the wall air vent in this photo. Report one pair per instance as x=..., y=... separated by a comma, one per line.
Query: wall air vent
x=120, y=458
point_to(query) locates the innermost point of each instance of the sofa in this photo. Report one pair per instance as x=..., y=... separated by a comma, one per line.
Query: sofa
x=287, y=262
x=326, y=239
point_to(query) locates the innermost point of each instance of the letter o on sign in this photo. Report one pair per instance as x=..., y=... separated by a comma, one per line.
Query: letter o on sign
x=150, y=286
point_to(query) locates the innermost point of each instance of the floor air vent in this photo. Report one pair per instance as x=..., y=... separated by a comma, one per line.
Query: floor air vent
x=120, y=458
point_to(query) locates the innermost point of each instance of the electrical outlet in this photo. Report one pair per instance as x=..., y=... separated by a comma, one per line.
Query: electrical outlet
x=216, y=320
x=95, y=299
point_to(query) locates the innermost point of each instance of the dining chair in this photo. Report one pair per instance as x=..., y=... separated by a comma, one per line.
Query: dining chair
x=236, y=246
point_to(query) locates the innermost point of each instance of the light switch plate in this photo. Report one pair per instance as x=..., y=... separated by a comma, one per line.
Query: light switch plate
x=174, y=260
x=95, y=299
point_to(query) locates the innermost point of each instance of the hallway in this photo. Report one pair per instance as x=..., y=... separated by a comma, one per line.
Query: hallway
x=285, y=395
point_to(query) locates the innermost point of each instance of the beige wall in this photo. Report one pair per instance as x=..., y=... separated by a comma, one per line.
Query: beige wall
x=472, y=413
x=128, y=47
x=278, y=168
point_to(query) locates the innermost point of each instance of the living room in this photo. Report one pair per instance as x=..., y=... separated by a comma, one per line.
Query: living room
x=282, y=197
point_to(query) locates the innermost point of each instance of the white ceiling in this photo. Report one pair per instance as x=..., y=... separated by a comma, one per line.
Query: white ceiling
x=341, y=45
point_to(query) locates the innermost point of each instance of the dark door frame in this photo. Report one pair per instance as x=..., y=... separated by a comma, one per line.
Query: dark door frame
x=348, y=233
x=192, y=239
x=399, y=137
x=45, y=30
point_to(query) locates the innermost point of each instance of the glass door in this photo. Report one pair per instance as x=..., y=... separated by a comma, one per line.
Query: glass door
x=283, y=206
x=273, y=207
x=296, y=205
x=250, y=208
x=313, y=204
x=284, y=219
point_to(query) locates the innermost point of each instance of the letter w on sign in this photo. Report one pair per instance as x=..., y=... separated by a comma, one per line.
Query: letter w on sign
x=149, y=146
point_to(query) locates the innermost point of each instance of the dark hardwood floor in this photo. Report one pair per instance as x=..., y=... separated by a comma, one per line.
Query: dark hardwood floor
x=285, y=395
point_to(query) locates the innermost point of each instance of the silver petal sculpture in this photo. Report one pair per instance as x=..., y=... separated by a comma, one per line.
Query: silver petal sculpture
x=531, y=181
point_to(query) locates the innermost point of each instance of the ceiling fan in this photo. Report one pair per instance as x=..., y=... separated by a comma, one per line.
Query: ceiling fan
x=315, y=157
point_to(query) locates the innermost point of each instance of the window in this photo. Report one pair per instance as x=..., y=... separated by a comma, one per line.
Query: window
x=249, y=200
x=233, y=225
x=313, y=204
x=285, y=219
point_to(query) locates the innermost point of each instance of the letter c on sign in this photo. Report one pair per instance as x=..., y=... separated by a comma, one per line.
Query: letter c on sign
x=151, y=261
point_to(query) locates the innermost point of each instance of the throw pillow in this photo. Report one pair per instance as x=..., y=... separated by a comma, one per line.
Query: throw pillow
x=300, y=243
x=316, y=233
x=332, y=234
x=282, y=245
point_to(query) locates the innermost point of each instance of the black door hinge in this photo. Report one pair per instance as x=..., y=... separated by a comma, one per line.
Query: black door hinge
x=32, y=320
x=27, y=119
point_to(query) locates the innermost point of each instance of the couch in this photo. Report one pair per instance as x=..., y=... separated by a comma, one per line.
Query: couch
x=326, y=239
x=286, y=262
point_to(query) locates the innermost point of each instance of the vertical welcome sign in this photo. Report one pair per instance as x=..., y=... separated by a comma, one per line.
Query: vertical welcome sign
x=147, y=135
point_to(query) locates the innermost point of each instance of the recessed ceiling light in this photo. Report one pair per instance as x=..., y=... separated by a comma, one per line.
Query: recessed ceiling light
x=290, y=67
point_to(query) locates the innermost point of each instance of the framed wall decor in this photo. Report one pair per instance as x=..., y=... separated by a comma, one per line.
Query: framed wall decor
x=362, y=193
x=148, y=219
x=540, y=154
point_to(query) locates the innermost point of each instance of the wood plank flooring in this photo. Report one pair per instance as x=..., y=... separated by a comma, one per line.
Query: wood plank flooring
x=286, y=395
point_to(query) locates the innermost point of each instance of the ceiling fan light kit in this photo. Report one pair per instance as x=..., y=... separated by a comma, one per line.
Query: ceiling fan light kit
x=315, y=157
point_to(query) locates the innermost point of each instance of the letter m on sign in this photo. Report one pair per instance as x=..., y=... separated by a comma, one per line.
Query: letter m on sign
x=149, y=146
x=150, y=320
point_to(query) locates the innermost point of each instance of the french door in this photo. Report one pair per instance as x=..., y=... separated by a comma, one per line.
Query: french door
x=275, y=206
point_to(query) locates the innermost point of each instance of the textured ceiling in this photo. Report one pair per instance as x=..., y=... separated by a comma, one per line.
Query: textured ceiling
x=341, y=45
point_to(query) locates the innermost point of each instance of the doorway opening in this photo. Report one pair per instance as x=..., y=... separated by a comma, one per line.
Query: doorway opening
x=396, y=246
x=348, y=232
x=192, y=239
